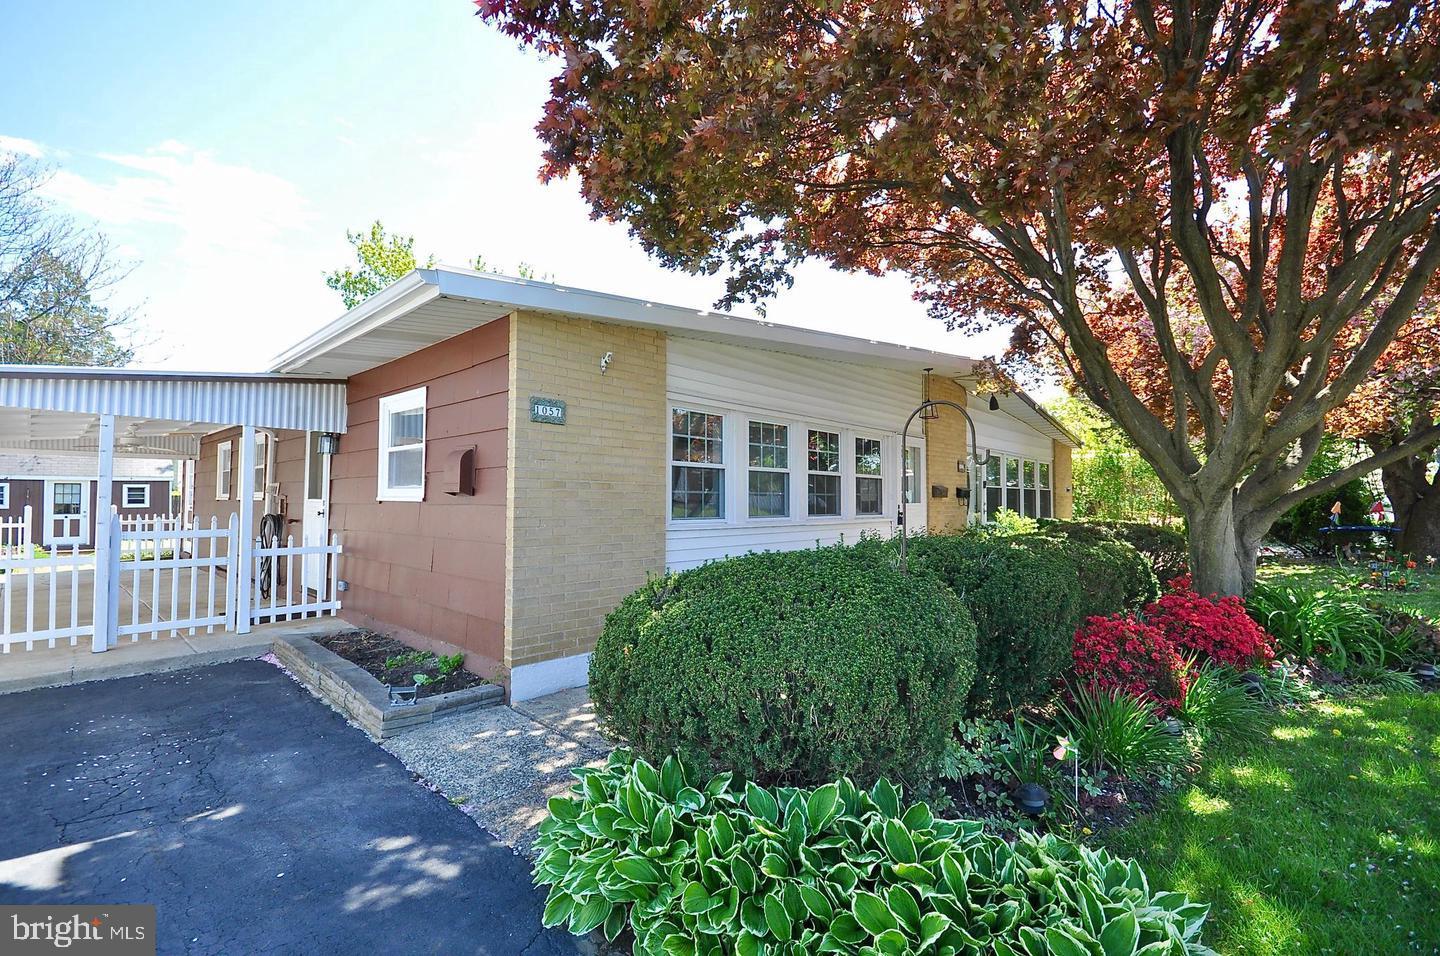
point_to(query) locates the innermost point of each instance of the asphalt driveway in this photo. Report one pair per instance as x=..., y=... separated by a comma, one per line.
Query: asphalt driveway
x=253, y=817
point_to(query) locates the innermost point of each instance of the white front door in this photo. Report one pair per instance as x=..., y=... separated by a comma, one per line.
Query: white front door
x=67, y=513
x=315, y=529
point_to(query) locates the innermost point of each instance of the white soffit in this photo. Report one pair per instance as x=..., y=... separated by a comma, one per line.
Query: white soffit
x=431, y=305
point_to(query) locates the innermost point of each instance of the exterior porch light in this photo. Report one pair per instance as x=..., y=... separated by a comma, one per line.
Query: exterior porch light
x=994, y=403
x=930, y=412
x=328, y=443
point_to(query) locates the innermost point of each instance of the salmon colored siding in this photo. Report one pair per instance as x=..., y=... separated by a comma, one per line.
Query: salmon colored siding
x=289, y=473
x=432, y=569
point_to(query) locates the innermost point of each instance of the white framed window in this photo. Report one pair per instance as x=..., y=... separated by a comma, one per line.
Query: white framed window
x=224, y=467
x=1019, y=484
x=262, y=447
x=869, y=485
x=402, y=447
x=769, y=467
x=135, y=496
x=697, y=465
x=911, y=476
x=994, y=498
x=1047, y=503
x=4, y=495
x=822, y=488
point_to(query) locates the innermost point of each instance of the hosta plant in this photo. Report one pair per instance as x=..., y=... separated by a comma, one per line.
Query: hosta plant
x=698, y=867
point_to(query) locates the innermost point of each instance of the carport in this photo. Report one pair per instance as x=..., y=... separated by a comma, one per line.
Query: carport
x=178, y=577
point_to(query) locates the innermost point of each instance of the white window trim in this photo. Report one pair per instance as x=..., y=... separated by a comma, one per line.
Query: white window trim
x=125, y=495
x=788, y=472
x=224, y=476
x=736, y=464
x=728, y=460
x=262, y=464
x=399, y=402
x=1022, y=458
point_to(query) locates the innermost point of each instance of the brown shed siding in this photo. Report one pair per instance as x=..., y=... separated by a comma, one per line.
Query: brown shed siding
x=434, y=568
x=31, y=491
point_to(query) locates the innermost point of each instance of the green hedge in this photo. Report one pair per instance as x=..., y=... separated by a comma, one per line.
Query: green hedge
x=790, y=667
x=1024, y=594
x=1114, y=577
x=1164, y=546
x=708, y=867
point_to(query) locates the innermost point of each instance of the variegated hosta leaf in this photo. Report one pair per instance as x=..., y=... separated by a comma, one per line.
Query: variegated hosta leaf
x=702, y=866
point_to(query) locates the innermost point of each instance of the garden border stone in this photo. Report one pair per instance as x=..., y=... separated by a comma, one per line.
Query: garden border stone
x=351, y=690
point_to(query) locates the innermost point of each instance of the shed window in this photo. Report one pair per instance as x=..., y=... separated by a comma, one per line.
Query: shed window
x=697, y=469
x=823, y=480
x=402, y=446
x=224, y=465
x=4, y=495
x=135, y=496
x=868, y=498
x=261, y=447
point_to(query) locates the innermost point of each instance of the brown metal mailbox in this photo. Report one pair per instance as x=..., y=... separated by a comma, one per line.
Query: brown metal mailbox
x=460, y=472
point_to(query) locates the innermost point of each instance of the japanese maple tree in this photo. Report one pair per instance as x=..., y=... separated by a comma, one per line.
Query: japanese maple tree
x=1268, y=168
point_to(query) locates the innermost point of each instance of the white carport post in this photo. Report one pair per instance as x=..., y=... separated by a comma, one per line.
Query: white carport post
x=245, y=507
x=104, y=611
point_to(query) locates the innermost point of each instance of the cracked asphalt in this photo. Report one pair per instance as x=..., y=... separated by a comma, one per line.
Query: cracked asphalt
x=253, y=817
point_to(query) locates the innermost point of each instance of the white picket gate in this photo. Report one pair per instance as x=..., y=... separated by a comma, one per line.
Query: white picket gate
x=279, y=594
x=166, y=577
x=175, y=569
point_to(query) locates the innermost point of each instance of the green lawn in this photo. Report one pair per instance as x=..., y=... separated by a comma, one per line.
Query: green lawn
x=1423, y=595
x=1323, y=839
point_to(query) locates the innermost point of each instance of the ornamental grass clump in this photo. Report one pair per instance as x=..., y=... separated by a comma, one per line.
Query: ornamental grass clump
x=789, y=667
x=705, y=865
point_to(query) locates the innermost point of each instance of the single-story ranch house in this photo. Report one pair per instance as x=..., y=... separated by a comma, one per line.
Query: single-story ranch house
x=519, y=456
x=486, y=463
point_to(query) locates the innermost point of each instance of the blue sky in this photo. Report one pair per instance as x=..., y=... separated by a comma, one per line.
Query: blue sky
x=226, y=148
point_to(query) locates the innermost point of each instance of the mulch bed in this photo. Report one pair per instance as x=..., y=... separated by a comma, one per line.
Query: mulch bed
x=371, y=651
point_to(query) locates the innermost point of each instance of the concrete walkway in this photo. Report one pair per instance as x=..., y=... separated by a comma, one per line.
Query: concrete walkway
x=22, y=670
x=501, y=765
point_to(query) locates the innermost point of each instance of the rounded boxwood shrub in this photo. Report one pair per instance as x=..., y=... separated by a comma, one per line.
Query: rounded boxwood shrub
x=1164, y=546
x=1113, y=576
x=789, y=667
x=1024, y=594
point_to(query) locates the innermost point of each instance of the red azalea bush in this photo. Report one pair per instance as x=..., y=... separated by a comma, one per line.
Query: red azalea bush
x=1122, y=653
x=1209, y=628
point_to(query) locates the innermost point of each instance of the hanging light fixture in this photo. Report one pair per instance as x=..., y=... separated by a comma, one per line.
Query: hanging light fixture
x=928, y=412
x=994, y=403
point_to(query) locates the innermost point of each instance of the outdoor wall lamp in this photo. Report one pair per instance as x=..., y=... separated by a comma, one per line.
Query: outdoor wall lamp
x=904, y=443
x=605, y=361
x=994, y=403
x=328, y=443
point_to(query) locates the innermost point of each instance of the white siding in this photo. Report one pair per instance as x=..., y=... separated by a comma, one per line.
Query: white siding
x=789, y=389
x=1002, y=433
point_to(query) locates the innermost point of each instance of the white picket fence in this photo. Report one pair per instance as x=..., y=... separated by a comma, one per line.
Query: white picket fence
x=290, y=582
x=15, y=534
x=176, y=570
x=174, y=577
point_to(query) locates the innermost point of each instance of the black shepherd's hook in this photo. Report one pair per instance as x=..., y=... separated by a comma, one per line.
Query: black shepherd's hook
x=904, y=436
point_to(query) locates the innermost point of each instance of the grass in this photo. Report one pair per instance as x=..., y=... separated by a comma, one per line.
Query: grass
x=1324, y=837
x=1423, y=595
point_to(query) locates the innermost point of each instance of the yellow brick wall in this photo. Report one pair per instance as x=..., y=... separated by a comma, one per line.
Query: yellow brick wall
x=585, y=500
x=947, y=441
x=1063, y=481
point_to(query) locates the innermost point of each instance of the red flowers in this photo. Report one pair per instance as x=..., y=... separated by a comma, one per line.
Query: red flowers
x=1211, y=629
x=1122, y=653
x=1145, y=656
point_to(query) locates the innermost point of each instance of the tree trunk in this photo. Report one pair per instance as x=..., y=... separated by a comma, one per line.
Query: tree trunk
x=1421, y=538
x=1220, y=562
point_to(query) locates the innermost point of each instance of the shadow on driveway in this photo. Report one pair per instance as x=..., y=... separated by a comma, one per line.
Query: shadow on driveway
x=253, y=817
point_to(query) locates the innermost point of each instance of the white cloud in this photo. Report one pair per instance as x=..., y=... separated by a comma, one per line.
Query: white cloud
x=18, y=144
x=219, y=246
